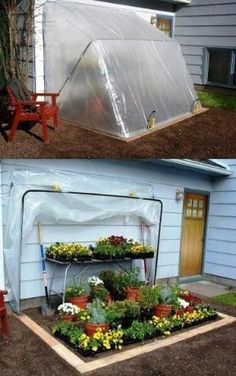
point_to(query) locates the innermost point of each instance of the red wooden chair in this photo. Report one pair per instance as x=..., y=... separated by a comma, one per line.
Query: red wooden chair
x=3, y=314
x=27, y=108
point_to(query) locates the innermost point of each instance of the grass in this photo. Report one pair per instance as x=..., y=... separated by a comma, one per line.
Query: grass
x=218, y=100
x=228, y=299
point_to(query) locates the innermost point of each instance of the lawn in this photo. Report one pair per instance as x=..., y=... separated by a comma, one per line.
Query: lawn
x=229, y=299
x=218, y=100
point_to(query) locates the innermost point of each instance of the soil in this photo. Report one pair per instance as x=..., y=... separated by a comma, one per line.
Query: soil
x=211, y=134
x=211, y=354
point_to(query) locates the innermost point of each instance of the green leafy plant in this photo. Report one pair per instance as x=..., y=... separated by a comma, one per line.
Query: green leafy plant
x=69, y=330
x=140, y=331
x=100, y=292
x=149, y=297
x=128, y=279
x=123, y=312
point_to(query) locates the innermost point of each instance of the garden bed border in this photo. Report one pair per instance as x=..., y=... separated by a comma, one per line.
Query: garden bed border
x=83, y=367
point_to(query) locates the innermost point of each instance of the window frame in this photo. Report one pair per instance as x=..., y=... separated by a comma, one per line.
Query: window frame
x=232, y=68
x=167, y=17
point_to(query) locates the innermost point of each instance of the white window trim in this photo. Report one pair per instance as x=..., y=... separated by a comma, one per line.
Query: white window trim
x=39, y=47
x=2, y=278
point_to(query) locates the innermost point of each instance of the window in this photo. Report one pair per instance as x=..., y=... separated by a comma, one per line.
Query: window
x=163, y=24
x=221, y=67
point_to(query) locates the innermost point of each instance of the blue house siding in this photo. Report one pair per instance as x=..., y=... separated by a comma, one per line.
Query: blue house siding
x=202, y=24
x=220, y=256
x=165, y=181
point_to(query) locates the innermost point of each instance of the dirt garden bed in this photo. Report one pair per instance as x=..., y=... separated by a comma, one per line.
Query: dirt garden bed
x=212, y=353
x=207, y=135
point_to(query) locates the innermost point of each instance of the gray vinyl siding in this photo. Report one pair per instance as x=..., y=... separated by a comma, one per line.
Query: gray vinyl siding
x=202, y=24
x=220, y=255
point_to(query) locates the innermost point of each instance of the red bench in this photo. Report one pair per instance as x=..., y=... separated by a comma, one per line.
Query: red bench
x=3, y=315
x=27, y=108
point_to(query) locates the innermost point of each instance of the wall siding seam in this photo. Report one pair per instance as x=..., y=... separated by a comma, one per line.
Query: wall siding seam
x=220, y=252
x=221, y=228
x=220, y=264
x=221, y=240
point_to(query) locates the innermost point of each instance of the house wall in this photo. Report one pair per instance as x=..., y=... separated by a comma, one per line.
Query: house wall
x=165, y=182
x=201, y=24
x=220, y=256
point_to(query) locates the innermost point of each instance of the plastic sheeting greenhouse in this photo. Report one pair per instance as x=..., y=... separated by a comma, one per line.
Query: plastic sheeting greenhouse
x=113, y=69
x=48, y=196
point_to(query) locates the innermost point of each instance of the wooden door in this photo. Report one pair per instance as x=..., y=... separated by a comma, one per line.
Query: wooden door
x=193, y=234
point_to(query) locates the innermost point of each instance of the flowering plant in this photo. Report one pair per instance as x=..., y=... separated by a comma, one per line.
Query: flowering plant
x=83, y=315
x=183, y=303
x=102, y=341
x=75, y=290
x=68, y=309
x=138, y=248
x=112, y=247
x=68, y=252
x=95, y=281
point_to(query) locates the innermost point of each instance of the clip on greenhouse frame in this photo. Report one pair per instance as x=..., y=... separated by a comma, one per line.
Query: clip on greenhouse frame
x=89, y=194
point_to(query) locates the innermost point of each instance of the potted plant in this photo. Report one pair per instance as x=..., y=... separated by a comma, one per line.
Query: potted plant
x=108, y=277
x=77, y=294
x=130, y=283
x=98, y=318
x=68, y=311
x=164, y=308
x=98, y=290
x=140, y=251
x=148, y=300
x=112, y=247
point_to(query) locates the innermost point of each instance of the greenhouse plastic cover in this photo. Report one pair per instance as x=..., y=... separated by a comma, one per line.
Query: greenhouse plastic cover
x=59, y=206
x=113, y=69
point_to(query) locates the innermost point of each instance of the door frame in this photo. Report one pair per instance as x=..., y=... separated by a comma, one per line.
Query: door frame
x=208, y=195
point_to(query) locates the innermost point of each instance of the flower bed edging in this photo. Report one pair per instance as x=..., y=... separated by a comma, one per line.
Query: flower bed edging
x=95, y=364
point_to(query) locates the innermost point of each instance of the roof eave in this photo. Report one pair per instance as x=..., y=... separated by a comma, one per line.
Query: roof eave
x=220, y=169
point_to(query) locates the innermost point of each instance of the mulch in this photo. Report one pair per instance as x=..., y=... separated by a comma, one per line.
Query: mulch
x=211, y=354
x=211, y=134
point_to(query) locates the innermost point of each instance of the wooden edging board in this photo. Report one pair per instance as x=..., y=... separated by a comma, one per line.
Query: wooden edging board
x=130, y=139
x=83, y=367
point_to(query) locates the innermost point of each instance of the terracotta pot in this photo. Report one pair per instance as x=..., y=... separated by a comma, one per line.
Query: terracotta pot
x=90, y=328
x=189, y=309
x=109, y=299
x=69, y=318
x=162, y=310
x=132, y=293
x=180, y=311
x=79, y=301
